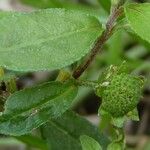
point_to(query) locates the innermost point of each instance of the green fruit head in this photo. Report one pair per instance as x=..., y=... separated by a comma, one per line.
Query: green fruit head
x=122, y=94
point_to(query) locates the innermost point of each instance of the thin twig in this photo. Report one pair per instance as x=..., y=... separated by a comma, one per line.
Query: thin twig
x=116, y=12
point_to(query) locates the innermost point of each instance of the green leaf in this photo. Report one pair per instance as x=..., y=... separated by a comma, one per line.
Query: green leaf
x=45, y=39
x=138, y=18
x=115, y=146
x=89, y=143
x=28, y=109
x=69, y=5
x=33, y=141
x=67, y=129
x=118, y=122
x=106, y=4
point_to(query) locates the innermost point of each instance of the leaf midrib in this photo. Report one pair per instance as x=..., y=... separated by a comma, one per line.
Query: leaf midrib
x=29, y=44
x=35, y=107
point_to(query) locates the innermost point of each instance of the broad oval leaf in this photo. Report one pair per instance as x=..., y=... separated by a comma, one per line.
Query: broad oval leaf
x=28, y=109
x=138, y=17
x=46, y=39
x=89, y=143
x=67, y=129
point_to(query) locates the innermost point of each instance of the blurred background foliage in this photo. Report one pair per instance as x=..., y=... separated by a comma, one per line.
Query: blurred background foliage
x=123, y=45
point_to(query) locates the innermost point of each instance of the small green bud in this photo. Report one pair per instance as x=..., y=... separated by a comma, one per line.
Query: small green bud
x=122, y=94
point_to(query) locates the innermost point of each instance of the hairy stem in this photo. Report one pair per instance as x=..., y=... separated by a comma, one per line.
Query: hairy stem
x=116, y=12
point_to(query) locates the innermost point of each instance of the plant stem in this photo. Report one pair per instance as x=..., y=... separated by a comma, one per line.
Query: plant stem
x=116, y=12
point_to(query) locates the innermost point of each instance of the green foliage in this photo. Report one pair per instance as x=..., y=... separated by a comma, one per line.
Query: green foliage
x=66, y=131
x=106, y=4
x=33, y=141
x=115, y=146
x=89, y=143
x=67, y=4
x=138, y=18
x=51, y=37
x=28, y=109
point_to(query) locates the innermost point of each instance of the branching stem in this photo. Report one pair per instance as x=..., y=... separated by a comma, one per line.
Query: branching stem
x=116, y=12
